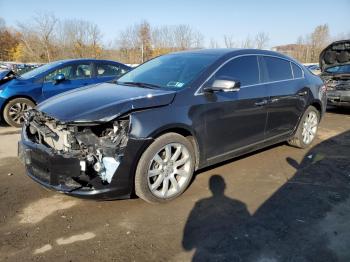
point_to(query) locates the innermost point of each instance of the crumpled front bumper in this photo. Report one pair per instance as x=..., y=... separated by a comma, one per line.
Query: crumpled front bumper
x=55, y=171
x=338, y=97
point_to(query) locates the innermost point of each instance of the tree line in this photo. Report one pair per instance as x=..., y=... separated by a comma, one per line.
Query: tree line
x=46, y=38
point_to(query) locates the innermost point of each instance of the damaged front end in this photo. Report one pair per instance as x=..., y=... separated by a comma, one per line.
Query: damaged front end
x=76, y=155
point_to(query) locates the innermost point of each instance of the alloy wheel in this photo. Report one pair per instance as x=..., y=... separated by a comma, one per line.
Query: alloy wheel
x=310, y=127
x=17, y=110
x=169, y=170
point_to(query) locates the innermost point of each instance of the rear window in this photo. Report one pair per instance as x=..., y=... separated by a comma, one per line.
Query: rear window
x=277, y=69
x=107, y=70
x=297, y=71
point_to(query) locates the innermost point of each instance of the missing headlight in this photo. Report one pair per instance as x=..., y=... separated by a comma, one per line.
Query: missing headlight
x=99, y=148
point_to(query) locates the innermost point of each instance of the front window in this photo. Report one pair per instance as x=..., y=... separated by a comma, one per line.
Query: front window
x=71, y=72
x=173, y=71
x=341, y=69
x=243, y=69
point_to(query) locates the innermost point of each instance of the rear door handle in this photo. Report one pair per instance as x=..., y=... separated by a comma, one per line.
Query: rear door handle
x=261, y=103
x=302, y=93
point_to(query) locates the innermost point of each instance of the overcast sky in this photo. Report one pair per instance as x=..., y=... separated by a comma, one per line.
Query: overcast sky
x=284, y=20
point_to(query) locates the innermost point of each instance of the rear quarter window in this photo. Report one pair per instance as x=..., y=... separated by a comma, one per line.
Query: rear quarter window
x=277, y=69
x=297, y=72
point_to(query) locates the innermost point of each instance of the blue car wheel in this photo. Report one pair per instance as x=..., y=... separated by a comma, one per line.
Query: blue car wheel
x=14, y=110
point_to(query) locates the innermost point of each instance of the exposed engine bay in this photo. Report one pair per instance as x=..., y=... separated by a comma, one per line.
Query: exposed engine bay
x=338, y=82
x=99, y=147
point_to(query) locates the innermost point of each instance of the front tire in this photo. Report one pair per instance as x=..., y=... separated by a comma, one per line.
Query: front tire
x=307, y=129
x=165, y=169
x=14, y=109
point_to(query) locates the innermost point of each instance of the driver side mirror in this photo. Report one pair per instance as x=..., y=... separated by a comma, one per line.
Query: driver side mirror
x=59, y=78
x=224, y=85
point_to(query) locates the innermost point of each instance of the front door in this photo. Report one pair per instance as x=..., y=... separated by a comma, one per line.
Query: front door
x=76, y=75
x=235, y=120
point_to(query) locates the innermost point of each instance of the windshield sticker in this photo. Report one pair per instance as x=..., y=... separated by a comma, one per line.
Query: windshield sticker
x=175, y=84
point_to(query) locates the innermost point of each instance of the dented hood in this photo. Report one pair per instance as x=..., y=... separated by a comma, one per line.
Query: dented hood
x=337, y=53
x=103, y=102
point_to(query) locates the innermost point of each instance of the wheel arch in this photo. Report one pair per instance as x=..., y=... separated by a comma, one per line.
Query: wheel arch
x=14, y=97
x=185, y=132
x=318, y=105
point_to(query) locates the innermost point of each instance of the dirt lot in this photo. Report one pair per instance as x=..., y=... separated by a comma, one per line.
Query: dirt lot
x=279, y=204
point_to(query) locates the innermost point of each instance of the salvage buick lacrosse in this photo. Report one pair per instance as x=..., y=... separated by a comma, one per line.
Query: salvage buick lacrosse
x=150, y=130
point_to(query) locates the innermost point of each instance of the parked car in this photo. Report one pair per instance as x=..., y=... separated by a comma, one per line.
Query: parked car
x=167, y=118
x=21, y=92
x=19, y=68
x=335, y=66
x=314, y=68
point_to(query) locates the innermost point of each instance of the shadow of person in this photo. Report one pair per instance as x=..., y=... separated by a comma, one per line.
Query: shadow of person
x=217, y=226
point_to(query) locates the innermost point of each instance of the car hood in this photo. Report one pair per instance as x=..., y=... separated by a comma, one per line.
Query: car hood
x=337, y=53
x=103, y=102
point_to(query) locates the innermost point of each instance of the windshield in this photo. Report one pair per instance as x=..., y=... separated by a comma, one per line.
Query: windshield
x=341, y=69
x=39, y=70
x=173, y=71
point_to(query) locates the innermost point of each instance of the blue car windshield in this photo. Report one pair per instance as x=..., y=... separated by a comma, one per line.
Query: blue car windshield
x=39, y=70
x=173, y=71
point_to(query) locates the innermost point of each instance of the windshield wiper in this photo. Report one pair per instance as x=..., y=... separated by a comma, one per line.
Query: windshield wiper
x=139, y=84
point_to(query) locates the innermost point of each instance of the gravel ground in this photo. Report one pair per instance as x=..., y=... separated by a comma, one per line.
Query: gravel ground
x=278, y=204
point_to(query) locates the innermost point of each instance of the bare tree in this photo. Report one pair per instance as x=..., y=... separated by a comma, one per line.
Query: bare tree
x=198, y=39
x=319, y=38
x=38, y=37
x=163, y=37
x=261, y=40
x=79, y=38
x=183, y=37
x=229, y=41
x=144, y=34
x=247, y=43
x=45, y=26
x=213, y=43
x=141, y=42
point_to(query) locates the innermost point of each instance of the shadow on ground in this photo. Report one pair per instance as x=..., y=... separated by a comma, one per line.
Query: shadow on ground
x=305, y=220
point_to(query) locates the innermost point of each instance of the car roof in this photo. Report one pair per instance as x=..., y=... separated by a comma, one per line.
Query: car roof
x=227, y=52
x=86, y=60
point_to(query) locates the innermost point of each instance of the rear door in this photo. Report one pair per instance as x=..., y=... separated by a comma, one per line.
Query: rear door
x=236, y=119
x=76, y=75
x=287, y=95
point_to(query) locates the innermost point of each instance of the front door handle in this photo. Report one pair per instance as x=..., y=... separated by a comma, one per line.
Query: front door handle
x=261, y=103
x=302, y=93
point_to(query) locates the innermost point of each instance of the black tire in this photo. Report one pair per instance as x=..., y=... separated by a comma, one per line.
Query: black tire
x=7, y=114
x=297, y=139
x=142, y=188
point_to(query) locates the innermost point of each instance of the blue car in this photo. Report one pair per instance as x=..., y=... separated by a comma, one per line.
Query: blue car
x=19, y=93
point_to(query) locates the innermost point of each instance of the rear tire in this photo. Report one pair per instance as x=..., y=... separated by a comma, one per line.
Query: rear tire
x=307, y=129
x=14, y=109
x=165, y=169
